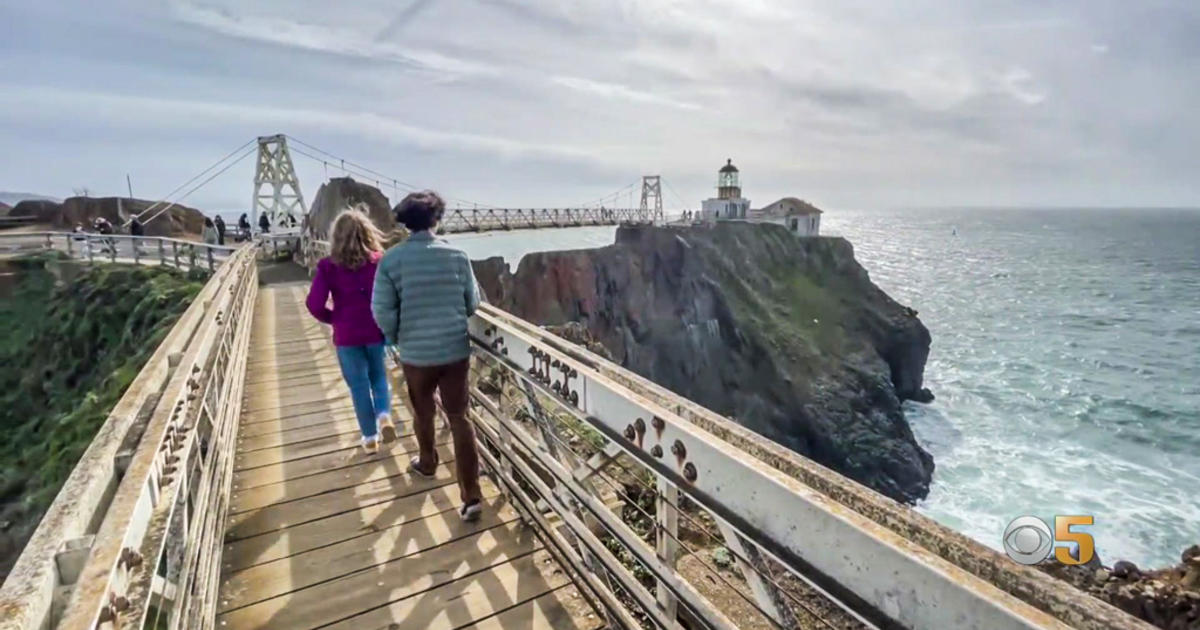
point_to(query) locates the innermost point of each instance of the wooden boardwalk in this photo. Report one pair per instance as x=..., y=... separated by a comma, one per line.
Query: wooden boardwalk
x=322, y=536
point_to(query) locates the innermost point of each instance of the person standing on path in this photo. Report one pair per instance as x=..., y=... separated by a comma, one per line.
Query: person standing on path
x=348, y=274
x=220, y=223
x=264, y=223
x=424, y=292
x=209, y=235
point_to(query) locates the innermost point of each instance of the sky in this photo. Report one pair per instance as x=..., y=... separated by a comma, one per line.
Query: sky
x=552, y=103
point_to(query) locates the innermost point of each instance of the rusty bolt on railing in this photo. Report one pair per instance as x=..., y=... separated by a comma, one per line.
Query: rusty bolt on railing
x=119, y=603
x=657, y=451
x=689, y=472
x=630, y=433
x=107, y=615
x=678, y=450
x=130, y=558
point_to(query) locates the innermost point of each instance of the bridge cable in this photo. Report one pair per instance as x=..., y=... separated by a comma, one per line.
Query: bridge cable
x=682, y=203
x=370, y=174
x=203, y=183
x=613, y=194
x=703, y=529
x=185, y=184
x=367, y=174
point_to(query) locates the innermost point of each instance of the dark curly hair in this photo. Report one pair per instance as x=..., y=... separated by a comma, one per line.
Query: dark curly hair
x=420, y=210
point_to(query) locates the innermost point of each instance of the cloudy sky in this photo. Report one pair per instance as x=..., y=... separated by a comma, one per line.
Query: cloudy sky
x=557, y=102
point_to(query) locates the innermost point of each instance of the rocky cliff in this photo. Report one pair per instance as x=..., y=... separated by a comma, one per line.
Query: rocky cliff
x=178, y=221
x=340, y=193
x=786, y=335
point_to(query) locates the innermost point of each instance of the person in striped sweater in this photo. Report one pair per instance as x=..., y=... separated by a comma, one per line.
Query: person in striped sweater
x=424, y=293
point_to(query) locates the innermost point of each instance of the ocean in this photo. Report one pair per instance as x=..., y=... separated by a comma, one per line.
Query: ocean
x=1065, y=361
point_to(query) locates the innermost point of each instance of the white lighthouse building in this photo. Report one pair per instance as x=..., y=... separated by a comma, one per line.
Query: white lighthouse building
x=728, y=204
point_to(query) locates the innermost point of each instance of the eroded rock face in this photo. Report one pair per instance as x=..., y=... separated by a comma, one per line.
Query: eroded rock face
x=786, y=335
x=340, y=193
x=1169, y=598
x=175, y=221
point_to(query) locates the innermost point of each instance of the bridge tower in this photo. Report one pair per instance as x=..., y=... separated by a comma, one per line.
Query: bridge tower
x=276, y=173
x=651, y=189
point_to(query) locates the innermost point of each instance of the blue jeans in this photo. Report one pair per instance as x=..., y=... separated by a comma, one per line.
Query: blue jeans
x=362, y=368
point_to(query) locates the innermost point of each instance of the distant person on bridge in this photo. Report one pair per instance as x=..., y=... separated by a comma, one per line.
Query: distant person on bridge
x=244, y=227
x=264, y=223
x=220, y=225
x=424, y=293
x=136, y=228
x=348, y=275
x=210, y=232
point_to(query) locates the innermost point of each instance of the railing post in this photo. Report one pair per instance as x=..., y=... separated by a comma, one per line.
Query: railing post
x=49, y=244
x=175, y=252
x=112, y=249
x=162, y=254
x=666, y=516
x=91, y=249
x=137, y=258
x=191, y=255
x=71, y=246
x=211, y=265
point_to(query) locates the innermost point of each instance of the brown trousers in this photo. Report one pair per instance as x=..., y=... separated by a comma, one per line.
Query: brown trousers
x=450, y=381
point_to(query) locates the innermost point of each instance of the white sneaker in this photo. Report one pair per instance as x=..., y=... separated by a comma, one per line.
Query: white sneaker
x=370, y=445
x=387, y=428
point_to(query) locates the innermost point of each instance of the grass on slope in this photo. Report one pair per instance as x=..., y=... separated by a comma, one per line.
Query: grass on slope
x=67, y=355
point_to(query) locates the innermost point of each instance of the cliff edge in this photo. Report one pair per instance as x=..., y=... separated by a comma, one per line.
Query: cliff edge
x=786, y=335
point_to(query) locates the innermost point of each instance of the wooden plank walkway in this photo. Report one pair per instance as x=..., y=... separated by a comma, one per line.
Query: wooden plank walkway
x=322, y=536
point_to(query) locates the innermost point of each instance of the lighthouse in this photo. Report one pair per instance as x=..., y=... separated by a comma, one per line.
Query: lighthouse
x=729, y=203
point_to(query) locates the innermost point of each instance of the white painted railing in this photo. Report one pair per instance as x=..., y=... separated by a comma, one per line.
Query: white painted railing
x=180, y=253
x=134, y=535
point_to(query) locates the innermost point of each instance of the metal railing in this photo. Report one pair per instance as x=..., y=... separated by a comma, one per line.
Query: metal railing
x=133, y=538
x=486, y=219
x=179, y=253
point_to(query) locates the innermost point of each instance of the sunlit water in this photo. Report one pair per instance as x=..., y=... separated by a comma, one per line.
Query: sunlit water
x=1065, y=359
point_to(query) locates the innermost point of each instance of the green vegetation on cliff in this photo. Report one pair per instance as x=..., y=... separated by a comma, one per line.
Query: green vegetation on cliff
x=68, y=352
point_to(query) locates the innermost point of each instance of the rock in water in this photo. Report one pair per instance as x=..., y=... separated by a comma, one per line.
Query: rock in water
x=340, y=193
x=787, y=335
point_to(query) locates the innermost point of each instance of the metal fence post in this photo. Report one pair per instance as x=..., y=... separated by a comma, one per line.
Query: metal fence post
x=71, y=246
x=666, y=516
x=91, y=249
x=211, y=265
x=162, y=253
x=112, y=248
x=191, y=255
x=175, y=253
x=49, y=245
x=137, y=258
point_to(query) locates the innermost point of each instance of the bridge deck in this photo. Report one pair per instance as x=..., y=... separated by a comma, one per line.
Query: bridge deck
x=322, y=536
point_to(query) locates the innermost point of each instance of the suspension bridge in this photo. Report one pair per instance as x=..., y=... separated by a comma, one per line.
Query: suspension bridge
x=278, y=196
x=225, y=491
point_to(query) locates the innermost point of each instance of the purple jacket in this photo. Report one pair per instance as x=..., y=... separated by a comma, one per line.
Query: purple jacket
x=353, y=324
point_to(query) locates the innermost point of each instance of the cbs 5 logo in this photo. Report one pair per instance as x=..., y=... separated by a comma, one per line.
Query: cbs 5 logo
x=1028, y=539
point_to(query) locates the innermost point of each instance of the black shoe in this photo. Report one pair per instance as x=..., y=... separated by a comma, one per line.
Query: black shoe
x=470, y=512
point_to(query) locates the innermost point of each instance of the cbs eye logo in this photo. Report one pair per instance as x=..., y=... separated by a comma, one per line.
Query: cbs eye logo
x=1028, y=539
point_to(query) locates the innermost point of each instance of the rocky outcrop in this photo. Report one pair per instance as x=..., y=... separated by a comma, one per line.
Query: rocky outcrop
x=4, y=209
x=786, y=335
x=1168, y=598
x=176, y=221
x=340, y=193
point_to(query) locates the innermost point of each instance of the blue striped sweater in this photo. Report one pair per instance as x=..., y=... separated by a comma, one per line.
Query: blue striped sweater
x=424, y=292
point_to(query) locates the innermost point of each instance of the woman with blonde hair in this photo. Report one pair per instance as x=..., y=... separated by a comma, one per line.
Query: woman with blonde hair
x=348, y=275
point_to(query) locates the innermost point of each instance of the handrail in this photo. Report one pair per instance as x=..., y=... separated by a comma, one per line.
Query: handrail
x=160, y=464
x=125, y=248
x=484, y=219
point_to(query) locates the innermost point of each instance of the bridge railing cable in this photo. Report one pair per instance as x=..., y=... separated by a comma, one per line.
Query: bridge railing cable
x=368, y=173
x=166, y=198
